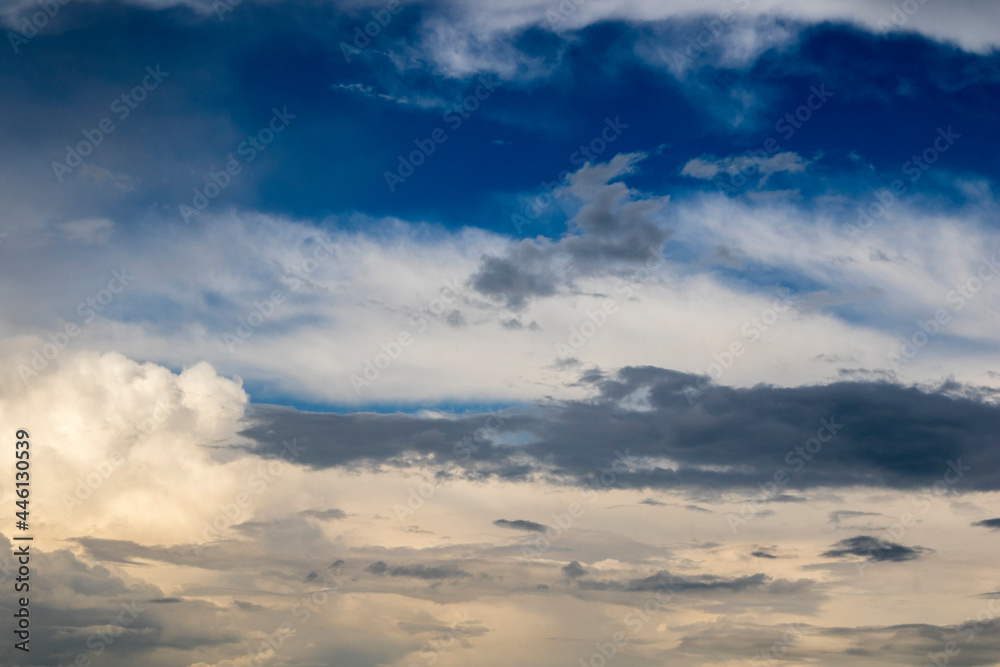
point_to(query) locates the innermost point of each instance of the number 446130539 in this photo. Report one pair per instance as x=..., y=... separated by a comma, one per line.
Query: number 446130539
x=21, y=478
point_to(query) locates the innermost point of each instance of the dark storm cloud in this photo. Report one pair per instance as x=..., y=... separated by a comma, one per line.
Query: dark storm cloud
x=728, y=438
x=521, y=524
x=989, y=523
x=875, y=550
x=574, y=570
x=762, y=554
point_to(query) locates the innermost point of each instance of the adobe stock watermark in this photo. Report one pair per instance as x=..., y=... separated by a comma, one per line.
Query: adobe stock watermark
x=563, y=11
x=464, y=449
x=969, y=629
x=752, y=329
x=636, y=619
x=102, y=471
x=247, y=325
x=264, y=309
x=121, y=107
x=914, y=168
x=454, y=117
x=924, y=334
x=445, y=639
x=99, y=642
x=363, y=35
x=30, y=25
x=877, y=547
x=88, y=309
x=89, y=483
x=307, y=607
x=600, y=481
x=796, y=458
x=775, y=653
x=223, y=7
x=582, y=333
x=747, y=165
x=248, y=150
x=704, y=39
x=373, y=367
x=231, y=513
x=899, y=16
x=587, y=152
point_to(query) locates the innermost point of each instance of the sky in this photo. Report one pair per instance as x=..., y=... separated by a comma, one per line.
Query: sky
x=408, y=333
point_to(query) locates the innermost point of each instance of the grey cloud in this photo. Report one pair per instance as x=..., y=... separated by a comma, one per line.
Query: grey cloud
x=83, y=606
x=515, y=324
x=666, y=582
x=613, y=232
x=910, y=644
x=875, y=550
x=989, y=523
x=518, y=277
x=243, y=605
x=936, y=437
x=429, y=571
x=695, y=508
x=786, y=498
x=574, y=570
x=521, y=524
x=418, y=571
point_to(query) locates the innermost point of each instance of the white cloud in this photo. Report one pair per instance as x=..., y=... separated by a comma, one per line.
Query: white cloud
x=196, y=295
x=707, y=168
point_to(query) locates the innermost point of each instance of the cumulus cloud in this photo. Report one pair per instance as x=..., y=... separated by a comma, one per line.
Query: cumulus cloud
x=128, y=439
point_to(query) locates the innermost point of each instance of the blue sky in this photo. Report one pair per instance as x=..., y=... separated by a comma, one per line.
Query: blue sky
x=227, y=74
x=476, y=334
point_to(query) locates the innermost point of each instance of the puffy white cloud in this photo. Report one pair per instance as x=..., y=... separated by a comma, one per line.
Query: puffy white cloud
x=122, y=448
